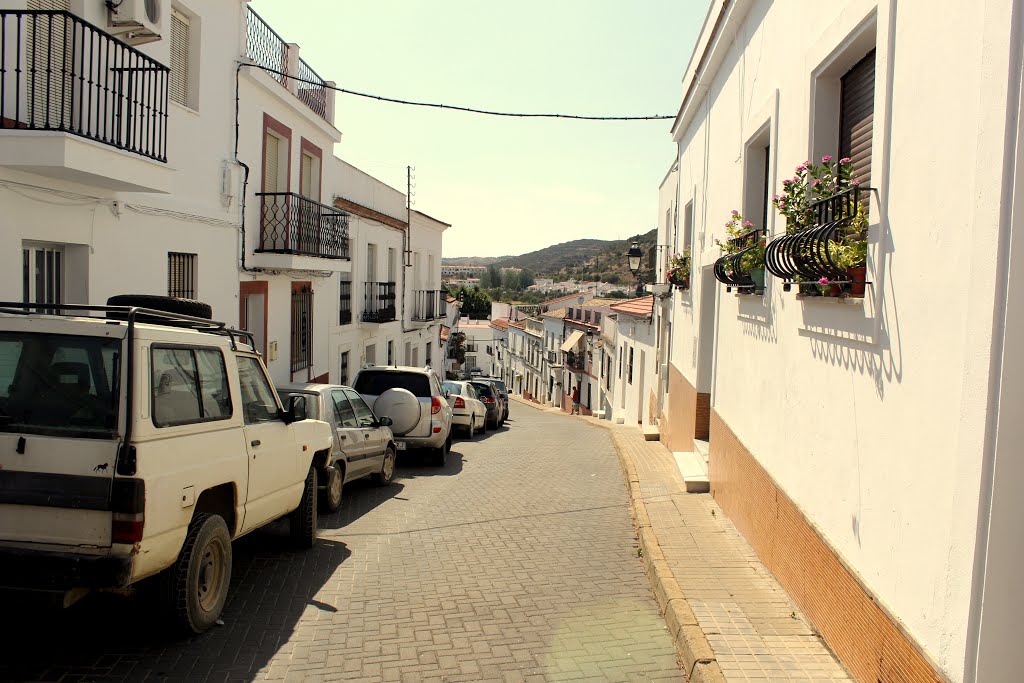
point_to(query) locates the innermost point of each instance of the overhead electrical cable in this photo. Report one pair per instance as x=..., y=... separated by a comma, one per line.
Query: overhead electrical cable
x=471, y=110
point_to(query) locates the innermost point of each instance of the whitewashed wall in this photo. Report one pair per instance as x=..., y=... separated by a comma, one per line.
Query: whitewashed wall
x=870, y=417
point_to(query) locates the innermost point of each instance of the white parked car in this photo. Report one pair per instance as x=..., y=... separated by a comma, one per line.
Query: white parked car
x=468, y=412
x=140, y=443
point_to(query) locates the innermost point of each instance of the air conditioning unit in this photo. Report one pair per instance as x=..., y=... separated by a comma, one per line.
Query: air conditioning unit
x=136, y=21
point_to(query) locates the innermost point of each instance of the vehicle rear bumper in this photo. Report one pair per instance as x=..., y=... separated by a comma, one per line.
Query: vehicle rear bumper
x=462, y=419
x=47, y=570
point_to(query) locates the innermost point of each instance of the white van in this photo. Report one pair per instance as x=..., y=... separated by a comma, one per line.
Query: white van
x=137, y=442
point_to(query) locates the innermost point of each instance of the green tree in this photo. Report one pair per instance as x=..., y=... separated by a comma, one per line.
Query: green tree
x=475, y=302
x=525, y=278
x=510, y=280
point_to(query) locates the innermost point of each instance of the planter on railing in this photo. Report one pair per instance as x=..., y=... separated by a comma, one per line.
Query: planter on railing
x=61, y=73
x=729, y=268
x=805, y=257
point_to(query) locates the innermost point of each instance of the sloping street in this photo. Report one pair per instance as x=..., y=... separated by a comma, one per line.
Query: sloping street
x=515, y=562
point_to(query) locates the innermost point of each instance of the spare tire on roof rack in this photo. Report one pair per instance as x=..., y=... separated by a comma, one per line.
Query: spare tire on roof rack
x=168, y=304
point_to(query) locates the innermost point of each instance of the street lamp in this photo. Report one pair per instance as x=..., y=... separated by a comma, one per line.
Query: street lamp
x=633, y=258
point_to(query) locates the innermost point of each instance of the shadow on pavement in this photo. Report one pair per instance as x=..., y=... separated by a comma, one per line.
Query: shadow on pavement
x=415, y=464
x=358, y=498
x=115, y=637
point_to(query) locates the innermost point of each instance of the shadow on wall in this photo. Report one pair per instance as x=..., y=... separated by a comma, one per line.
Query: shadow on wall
x=756, y=315
x=849, y=337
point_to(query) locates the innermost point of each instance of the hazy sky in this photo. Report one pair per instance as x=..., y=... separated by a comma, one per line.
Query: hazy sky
x=507, y=186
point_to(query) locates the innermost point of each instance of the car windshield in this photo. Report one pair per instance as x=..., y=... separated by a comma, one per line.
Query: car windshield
x=312, y=404
x=501, y=386
x=376, y=382
x=59, y=384
x=452, y=388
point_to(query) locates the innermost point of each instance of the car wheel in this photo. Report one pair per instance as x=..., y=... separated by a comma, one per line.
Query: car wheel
x=441, y=454
x=471, y=430
x=196, y=585
x=331, y=497
x=483, y=427
x=387, y=469
x=302, y=520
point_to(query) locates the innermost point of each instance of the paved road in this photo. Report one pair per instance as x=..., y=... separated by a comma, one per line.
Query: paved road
x=516, y=562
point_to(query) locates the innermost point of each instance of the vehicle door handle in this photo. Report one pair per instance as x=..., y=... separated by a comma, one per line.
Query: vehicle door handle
x=366, y=436
x=342, y=437
x=255, y=442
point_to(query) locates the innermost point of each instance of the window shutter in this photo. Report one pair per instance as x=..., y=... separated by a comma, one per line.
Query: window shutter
x=179, y=58
x=856, y=116
x=306, y=177
x=270, y=164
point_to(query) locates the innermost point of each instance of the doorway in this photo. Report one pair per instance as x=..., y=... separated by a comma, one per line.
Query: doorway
x=705, y=352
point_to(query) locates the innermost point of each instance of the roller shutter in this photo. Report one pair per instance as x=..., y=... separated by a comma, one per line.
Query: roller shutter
x=856, y=116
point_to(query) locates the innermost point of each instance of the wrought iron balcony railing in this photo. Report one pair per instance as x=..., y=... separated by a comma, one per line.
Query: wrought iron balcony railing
x=729, y=268
x=268, y=49
x=61, y=73
x=806, y=255
x=293, y=224
x=576, y=361
x=429, y=304
x=379, y=302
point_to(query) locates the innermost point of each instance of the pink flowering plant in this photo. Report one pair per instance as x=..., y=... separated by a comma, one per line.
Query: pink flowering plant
x=677, y=269
x=735, y=228
x=811, y=183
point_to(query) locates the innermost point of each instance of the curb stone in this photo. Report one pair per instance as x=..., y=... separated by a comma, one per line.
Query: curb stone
x=696, y=653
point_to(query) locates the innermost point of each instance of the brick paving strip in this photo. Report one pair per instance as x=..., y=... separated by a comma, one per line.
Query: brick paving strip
x=728, y=616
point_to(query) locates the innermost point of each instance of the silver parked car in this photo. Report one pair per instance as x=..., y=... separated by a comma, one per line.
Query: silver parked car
x=413, y=399
x=363, y=443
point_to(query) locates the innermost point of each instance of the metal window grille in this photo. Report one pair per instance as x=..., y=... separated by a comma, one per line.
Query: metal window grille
x=344, y=368
x=181, y=275
x=302, y=327
x=345, y=303
x=179, y=57
x=631, y=365
x=391, y=353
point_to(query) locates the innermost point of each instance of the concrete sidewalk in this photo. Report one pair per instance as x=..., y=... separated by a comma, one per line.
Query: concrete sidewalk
x=730, y=619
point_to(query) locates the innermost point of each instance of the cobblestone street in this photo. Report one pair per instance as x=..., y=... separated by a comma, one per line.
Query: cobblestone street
x=516, y=562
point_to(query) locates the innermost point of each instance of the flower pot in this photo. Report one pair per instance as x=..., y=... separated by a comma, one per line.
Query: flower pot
x=858, y=275
x=757, y=275
x=683, y=282
x=809, y=289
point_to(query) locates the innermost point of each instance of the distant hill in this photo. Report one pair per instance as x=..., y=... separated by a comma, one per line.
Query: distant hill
x=586, y=259
x=471, y=260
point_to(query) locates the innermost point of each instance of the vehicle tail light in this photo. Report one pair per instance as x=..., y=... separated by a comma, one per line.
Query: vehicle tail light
x=128, y=505
x=435, y=405
x=459, y=403
x=488, y=400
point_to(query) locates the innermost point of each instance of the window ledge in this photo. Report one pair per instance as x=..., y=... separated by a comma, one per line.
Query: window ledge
x=185, y=107
x=835, y=300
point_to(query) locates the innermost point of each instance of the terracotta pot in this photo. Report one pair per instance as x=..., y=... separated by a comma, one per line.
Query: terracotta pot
x=835, y=290
x=858, y=275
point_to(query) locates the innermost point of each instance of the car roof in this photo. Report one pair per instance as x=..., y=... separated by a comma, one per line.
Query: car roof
x=309, y=386
x=396, y=368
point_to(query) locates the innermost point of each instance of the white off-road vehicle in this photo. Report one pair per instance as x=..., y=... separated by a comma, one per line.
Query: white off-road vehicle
x=136, y=443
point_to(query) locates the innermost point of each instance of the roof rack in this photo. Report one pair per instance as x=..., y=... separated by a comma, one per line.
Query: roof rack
x=131, y=315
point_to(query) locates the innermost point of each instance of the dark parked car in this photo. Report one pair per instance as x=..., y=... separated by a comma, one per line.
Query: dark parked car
x=492, y=400
x=504, y=393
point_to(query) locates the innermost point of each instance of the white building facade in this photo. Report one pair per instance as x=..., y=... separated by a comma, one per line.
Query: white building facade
x=862, y=444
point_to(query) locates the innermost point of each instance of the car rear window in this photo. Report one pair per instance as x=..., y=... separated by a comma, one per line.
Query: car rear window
x=59, y=384
x=501, y=386
x=452, y=388
x=375, y=383
x=483, y=389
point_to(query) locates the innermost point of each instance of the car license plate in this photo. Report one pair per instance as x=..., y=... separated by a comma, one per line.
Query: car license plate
x=400, y=445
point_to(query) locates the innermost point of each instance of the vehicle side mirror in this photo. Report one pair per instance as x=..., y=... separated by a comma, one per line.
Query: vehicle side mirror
x=296, y=409
x=385, y=421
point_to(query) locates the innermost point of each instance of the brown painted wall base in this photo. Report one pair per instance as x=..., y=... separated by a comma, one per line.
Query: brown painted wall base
x=867, y=640
x=676, y=424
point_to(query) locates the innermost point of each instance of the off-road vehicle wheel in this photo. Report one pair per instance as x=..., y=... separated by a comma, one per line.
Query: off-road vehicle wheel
x=195, y=587
x=302, y=520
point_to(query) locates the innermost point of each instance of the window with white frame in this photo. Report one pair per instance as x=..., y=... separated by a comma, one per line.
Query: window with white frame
x=181, y=274
x=43, y=273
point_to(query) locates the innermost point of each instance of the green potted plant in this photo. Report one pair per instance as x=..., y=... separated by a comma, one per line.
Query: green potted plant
x=751, y=263
x=677, y=270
